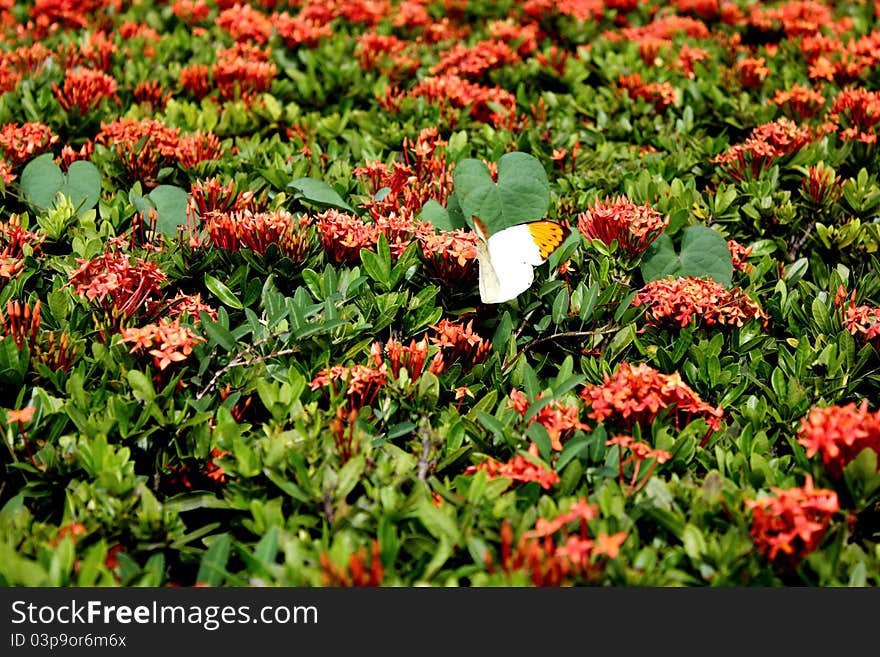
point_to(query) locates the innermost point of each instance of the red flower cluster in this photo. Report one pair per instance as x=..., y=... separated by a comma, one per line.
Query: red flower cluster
x=751, y=72
x=822, y=185
x=518, y=468
x=210, y=195
x=659, y=94
x=766, y=144
x=244, y=229
x=856, y=115
x=788, y=526
x=639, y=452
x=298, y=31
x=359, y=383
x=457, y=92
x=121, y=286
x=21, y=323
x=23, y=142
x=458, y=344
x=680, y=301
x=358, y=573
x=145, y=146
x=449, y=257
x=410, y=358
x=556, y=561
x=166, y=341
x=185, y=305
x=84, y=89
x=243, y=71
x=13, y=239
x=153, y=94
x=839, y=434
x=861, y=320
x=638, y=394
x=244, y=23
x=739, y=253
x=474, y=61
x=799, y=102
x=343, y=235
x=634, y=227
x=560, y=420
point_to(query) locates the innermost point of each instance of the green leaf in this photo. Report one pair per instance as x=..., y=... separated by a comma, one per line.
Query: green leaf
x=219, y=290
x=170, y=202
x=704, y=252
x=440, y=217
x=317, y=192
x=82, y=185
x=521, y=195
x=41, y=180
x=212, y=568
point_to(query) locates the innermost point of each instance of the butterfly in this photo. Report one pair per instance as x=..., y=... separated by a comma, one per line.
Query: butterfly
x=507, y=258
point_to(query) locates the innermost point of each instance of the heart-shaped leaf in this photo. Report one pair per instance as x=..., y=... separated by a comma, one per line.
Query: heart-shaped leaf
x=42, y=179
x=170, y=202
x=704, y=252
x=521, y=195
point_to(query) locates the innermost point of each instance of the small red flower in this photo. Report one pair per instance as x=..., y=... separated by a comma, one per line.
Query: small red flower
x=634, y=227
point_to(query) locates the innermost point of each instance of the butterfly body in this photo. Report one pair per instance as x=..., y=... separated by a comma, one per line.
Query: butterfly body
x=507, y=258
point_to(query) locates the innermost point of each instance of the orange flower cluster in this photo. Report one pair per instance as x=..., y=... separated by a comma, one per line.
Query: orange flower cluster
x=861, y=320
x=13, y=238
x=410, y=358
x=122, y=287
x=843, y=63
x=634, y=227
x=145, y=146
x=359, y=383
x=680, y=301
x=475, y=61
x=244, y=229
x=822, y=184
x=556, y=561
x=298, y=31
x=559, y=419
x=21, y=62
x=458, y=344
x=523, y=36
x=95, y=52
x=358, y=572
x=84, y=89
x=166, y=341
x=406, y=186
x=21, y=323
x=839, y=434
x=458, y=93
x=56, y=355
x=751, y=72
x=449, y=257
x=244, y=23
x=856, y=115
x=152, y=93
x=211, y=195
x=638, y=394
x=659, y=94
x=343, y=235
x=795, y=18
x=738, y=254
x=185, y=305
x=518, y=468
x=799, y=102
x=23, y=142
x=243, y=71
x=766, y=144
x=789, y=525
x=639, y=452
x=75, y=14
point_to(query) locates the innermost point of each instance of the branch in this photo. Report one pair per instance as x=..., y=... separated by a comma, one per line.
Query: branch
x=240, y=361
x=551, y=338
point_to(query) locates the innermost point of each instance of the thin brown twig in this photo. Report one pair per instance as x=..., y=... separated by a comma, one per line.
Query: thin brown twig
x=550, y=338
x=239, y=361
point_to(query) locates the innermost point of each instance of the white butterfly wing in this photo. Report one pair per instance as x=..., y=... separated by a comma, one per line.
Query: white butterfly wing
x=507, y=260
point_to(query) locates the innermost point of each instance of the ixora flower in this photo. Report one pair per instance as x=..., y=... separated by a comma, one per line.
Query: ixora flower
x=637, y=394
x=449, y=257
x=559, y=419
x=862, y=320
x=410, y=357
x=764, y=146
x=839, y=434
x=790, y=524
x=166, y=341
x=359, y=383
x=680, y=301
x=23, y=142
x=634, y=227
x=639, y=452
x=458, y=344
x=343, y=235
x=518, y=468
x=256, y=231
x=84, y=89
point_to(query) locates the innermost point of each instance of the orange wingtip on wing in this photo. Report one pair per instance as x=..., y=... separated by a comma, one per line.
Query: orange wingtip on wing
x=548, y=235
x=481, y=227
